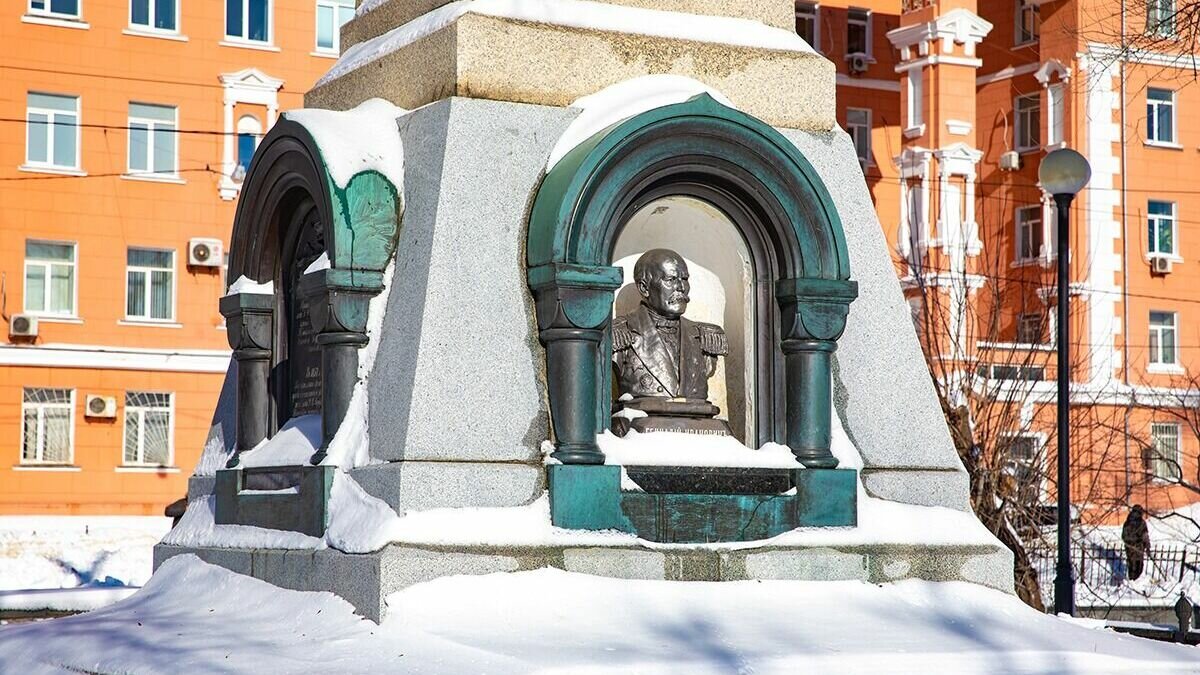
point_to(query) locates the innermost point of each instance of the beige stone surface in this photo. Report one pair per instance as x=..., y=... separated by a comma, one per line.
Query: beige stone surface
x=777, y=13
x=486, y=57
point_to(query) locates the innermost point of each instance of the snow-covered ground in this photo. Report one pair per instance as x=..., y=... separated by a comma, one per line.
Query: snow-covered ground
x=68, y=552
x=193, y=617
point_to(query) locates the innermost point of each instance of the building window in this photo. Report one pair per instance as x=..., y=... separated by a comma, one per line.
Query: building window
x=46, y=433
x=1164, y=461
x=1161, y=228
x=331, y=16
x=1024, y=467
x=153, y=142
x=1160, y=115
x=1028, y=111
x=147, y=428
x=150, y=284
x=858, y=123
x=1163, y=347
x=249, y=132
x=52, y=131
x=807, y=25
x=1029, y=329
x=248, y=20
x=49, y=278
x=1160, y=17
x=153, y=14
x=858, y=31
x=1029, y=22
x=68, y=9
x=1054, y=116
x=916, y=95
x=1029, y=232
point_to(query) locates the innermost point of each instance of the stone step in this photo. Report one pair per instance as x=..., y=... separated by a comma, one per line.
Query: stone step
x=366, y=580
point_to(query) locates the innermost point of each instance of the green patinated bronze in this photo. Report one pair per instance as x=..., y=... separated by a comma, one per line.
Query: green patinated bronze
x=578, y=192
x=687, y=148
x=590, y=498
x=292, y=498
x=366, y=222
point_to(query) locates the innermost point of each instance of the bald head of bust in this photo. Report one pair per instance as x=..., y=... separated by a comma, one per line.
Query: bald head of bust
x=661, y=276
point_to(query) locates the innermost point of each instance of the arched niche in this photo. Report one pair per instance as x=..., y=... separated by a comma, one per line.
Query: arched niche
x=296, y=330
x=740, y=166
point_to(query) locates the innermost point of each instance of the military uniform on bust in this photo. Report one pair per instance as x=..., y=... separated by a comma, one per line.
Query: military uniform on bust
x=662, y=361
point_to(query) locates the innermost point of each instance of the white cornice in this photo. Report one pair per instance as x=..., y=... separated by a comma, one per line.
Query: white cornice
x=956, y=26
x=116, y=358
x=1007, y=73
x=1105, y=51
x=864, y=83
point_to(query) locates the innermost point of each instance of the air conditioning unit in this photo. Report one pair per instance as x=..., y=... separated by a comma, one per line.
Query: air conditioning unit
x=1160, y=265
x=1010, y=161
x=859, y=63
x=204, y=252
x=23, y=325
x=100, y=406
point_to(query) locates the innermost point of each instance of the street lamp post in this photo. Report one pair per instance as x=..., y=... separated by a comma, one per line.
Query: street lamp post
x=1063, y=174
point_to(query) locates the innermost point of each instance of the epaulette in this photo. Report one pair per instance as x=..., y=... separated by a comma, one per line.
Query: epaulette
x=622, y=337
x=713, y=340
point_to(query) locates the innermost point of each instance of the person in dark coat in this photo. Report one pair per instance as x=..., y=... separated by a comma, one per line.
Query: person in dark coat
x=1136, y=536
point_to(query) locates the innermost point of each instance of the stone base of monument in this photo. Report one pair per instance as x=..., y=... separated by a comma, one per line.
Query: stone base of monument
x=679, y=415
x=366, y=580
x=591, y=498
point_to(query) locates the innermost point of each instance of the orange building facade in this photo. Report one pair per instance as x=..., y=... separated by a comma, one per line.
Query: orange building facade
x=965, y=99
x=127, y=126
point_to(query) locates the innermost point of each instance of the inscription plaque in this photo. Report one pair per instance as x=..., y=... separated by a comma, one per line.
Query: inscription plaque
x=304, y=364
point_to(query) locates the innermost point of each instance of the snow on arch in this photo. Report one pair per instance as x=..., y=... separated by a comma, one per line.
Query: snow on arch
x=623, y=100
x=361, y=139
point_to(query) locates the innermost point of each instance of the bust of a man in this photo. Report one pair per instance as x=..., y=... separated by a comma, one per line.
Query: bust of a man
x=657, y=353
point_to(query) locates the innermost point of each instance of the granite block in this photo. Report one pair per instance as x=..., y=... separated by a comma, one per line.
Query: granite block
x=416, y=486
x=458, y=378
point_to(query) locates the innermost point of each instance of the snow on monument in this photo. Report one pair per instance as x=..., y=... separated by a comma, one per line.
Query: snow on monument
x=446, y=362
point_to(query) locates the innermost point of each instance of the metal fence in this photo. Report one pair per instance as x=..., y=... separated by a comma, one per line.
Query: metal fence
x=1100, y=566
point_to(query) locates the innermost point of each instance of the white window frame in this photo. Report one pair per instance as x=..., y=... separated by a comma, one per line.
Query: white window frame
x=74, y=265
x=1027, y=123
x=141, y=449
x=1159, y=465
x=1037, y=463
x=864, y=129
x=867, y=25
x=49, y=130
x=244, y=39
x=151, y=127
x=1031, y=317
x=1055, y=128
x=41, y=424
x=337, y=28
x=1155, y=24
x=1026, y=7
x=915, y=112
x=47, y=12
x=152, y=14
x=1156, y=222
x=1152, y=106
x=149, y=290
x=810, y=11
x=1156, y=353
x=1025, y=226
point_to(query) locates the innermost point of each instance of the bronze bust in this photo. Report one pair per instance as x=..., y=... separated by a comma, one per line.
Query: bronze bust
x=663, y=360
